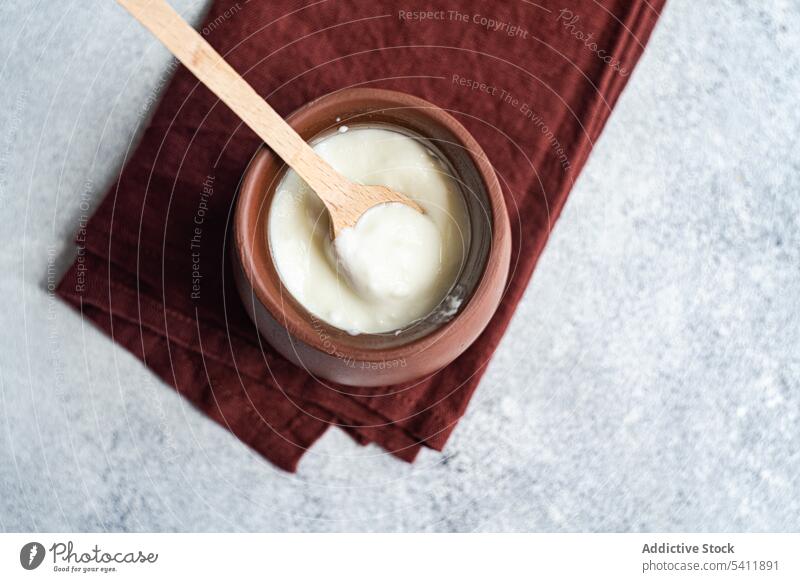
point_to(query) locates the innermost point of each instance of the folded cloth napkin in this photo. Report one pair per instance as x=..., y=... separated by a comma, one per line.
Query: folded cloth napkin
x=533, y=82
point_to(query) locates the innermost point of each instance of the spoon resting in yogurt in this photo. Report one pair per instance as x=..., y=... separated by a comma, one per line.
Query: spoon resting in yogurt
x=395, y=266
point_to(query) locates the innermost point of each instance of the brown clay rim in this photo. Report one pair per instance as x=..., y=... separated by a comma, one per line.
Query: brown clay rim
x=256, y=260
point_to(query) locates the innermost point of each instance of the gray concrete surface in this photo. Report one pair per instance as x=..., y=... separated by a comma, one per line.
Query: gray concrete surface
x=649, y=381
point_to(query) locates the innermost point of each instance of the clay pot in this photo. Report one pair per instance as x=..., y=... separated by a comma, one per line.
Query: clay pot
x=427, y=345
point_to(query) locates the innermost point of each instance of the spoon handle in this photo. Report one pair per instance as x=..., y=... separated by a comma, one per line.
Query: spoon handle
x=191, y=49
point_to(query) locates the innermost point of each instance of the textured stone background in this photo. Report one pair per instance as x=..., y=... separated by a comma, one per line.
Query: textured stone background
x=649, y=381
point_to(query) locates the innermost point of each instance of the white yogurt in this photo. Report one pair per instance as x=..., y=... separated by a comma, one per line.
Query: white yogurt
x=396, y=265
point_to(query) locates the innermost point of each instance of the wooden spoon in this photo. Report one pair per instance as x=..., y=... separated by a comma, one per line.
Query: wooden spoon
x=346, y=201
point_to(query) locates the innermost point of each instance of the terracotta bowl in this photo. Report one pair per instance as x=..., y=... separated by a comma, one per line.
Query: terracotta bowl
x=425, y=346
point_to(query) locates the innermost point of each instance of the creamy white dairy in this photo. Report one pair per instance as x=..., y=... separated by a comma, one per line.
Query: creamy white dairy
x=396, y=265
x=392, y=253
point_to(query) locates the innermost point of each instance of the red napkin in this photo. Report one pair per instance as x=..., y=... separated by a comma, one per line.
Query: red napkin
x=533, y=82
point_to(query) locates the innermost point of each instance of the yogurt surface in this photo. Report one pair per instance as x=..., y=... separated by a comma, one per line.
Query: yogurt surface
x=396, y=265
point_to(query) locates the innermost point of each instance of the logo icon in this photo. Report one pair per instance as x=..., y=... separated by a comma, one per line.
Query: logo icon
x=31, y=555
